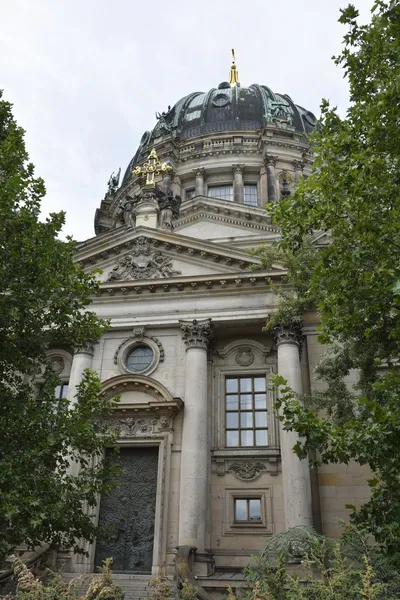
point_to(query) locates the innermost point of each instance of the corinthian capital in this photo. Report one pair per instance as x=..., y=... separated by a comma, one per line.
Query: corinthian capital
x=298, y=165
x=270, y=161
x=289, y=333
x=196, y=334
x=238, y=169
x=200, y=173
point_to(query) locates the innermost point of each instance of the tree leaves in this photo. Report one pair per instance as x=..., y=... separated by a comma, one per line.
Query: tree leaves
x=44, y=295
x=353, y=195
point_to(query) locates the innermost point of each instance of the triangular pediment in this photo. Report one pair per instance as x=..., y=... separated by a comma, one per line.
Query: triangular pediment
x=150, y=254
x=212, y=219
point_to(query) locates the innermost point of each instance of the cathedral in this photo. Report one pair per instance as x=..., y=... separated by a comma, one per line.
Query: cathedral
x=208, y=476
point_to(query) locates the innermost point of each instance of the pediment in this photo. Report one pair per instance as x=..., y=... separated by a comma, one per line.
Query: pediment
x=149, y=254
x=211, y=219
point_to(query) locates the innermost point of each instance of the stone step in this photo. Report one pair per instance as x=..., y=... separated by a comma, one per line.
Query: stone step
x=134, y=587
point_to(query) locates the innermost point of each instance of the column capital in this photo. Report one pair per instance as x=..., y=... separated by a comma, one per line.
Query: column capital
x=89, y=349
x=200, y=172
x=238, y=169
x=196, y=334
x=269, y=160
x=298, y=165
x=289, y=333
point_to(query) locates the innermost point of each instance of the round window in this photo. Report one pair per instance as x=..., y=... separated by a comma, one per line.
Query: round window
x=139, y=359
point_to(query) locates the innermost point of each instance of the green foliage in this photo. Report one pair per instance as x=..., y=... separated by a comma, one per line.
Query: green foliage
x=30, y=588
x=353, y=195
x=44, y=297
x=294, y=298
x=162, y=588
x=328, y=570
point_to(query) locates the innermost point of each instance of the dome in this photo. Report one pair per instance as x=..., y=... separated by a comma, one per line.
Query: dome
x=225, y=109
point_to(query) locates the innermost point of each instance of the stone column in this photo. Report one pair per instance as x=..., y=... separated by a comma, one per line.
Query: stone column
x=200, y=175
x=263, y=186
x=177, y=186
x=295, y=472
x=298, y=167
x=194, y=497
x=166, y=181
x=82, y=360
x=238, y=186
x=270, y=162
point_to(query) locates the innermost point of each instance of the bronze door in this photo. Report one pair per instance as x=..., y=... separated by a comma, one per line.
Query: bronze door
x=130, y=511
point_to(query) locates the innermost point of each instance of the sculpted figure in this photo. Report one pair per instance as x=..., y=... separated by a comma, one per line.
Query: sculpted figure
x=129, y=214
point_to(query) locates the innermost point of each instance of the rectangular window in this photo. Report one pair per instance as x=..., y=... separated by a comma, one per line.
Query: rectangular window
x=246, y=412
x=250, y=194
x=61, y=391
x=223, y=192
x=190, y=193
x=247, y=510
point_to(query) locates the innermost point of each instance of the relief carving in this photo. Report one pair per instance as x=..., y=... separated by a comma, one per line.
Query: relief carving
x=247, y=471
x=244, y=357
x=156, y=266
x=130, y=427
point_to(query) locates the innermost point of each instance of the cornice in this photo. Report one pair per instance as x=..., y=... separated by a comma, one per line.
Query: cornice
x=109, y=246
x=199, y=284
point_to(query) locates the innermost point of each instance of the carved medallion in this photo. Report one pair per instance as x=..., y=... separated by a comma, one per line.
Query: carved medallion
x=244, y=357
x=130, y=268
x=247, y=471
x=57, y=364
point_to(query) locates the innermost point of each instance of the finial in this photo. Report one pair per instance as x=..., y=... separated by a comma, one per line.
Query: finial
x=234, y=75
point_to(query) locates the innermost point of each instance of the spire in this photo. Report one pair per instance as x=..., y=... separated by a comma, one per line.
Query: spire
x=234, y=74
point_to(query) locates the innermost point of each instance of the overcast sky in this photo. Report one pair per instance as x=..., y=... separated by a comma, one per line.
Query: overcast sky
x=87, y=76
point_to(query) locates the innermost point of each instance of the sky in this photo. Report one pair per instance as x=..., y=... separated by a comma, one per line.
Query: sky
x=87, y=76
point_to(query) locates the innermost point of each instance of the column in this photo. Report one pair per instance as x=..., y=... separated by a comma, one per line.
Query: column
x=82, y=360
x=270, y=162
x=166, y=181
x=298, y=167
x=194, y=497
x=200, y=175
x=295, y=472
x=238, y=187
x=263, y=186
x=177, y=186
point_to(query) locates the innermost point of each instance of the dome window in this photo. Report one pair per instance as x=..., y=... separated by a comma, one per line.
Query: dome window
x=251, y=194
x=222, y=192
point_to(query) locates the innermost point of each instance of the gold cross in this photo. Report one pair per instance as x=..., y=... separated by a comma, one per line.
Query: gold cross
x=152, y=167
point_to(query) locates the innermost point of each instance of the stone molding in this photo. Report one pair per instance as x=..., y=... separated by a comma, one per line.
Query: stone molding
x=244, y=345
x=202, y=284
x=196, y=334
x=139, y=338
x=163, y=399
x=244, y=356
x=60, y=360
x=289, y=334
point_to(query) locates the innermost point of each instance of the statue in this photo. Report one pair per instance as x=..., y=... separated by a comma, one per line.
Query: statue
x=279, y=112
x=129, y=214
x=113, y=183
x=169, y=208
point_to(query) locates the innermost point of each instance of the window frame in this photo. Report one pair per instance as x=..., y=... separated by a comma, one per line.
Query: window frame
x=263, y=526
x=253, y=411
x=220, y=185
x=255, y=185
x=190, y=189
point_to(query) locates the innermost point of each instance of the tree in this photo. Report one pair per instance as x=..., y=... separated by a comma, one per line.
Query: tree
x=44, y=297
x=353, y=194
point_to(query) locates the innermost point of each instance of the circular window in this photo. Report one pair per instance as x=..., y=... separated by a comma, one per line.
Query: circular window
x=139, y=359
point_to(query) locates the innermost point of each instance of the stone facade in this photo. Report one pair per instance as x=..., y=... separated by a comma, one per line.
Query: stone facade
x=186, y=314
